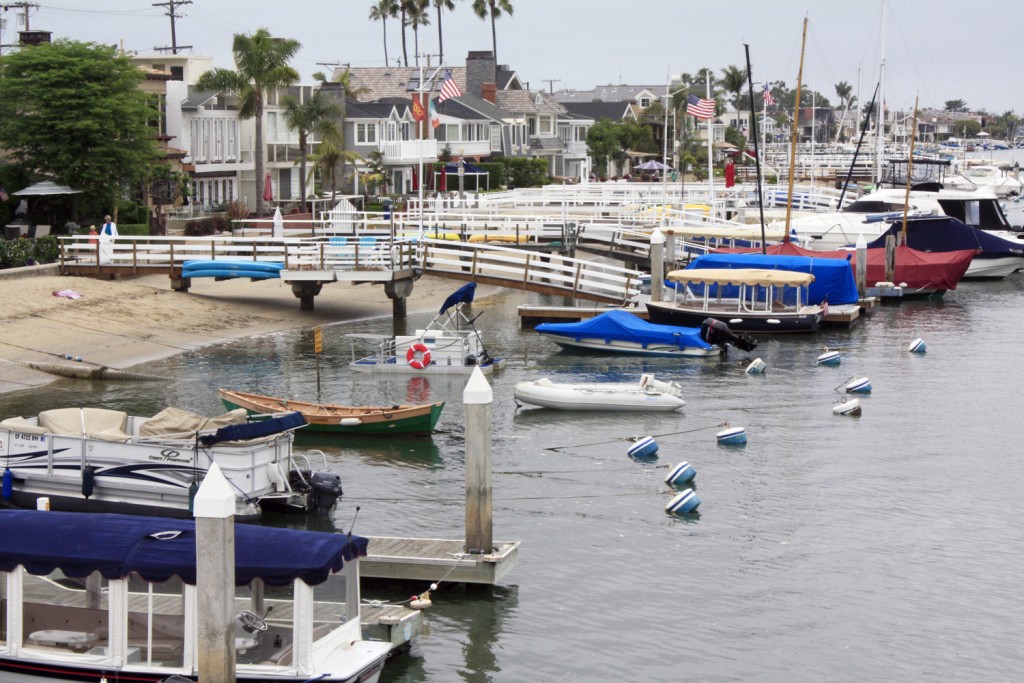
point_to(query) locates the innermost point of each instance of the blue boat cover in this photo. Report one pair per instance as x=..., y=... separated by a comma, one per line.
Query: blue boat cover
x=462, y=295
x=624, y=326
x=943, y=233
x=833, y=278
x=79, y=543
x=254, y=430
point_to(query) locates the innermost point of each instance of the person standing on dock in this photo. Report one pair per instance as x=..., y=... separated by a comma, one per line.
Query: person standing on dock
x=107, y=234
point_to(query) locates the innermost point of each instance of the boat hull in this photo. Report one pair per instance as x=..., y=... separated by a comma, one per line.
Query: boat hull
x=595, y=397
x=748, y=322
x=632, y=348
x=336, y=419
x=399, y=366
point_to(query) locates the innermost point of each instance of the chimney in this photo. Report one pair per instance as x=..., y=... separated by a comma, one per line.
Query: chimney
x=480, y=69
x=490, y=93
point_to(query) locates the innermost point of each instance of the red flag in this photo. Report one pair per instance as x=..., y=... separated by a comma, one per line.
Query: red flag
x=417, y=110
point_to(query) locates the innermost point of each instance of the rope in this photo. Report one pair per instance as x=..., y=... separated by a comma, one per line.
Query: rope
x=559, y=449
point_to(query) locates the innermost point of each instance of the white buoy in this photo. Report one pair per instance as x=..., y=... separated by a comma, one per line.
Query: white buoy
x=685, y=501
x=756, y=367
x=847, y=407
x=732, y=436
x=643, y=448
x=829, y=358
x=350, y=422
x=682, y=473
x=917, y=346
x=858, y=385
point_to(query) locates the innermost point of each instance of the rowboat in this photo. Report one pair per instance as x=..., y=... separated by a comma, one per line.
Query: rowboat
x=339, y=419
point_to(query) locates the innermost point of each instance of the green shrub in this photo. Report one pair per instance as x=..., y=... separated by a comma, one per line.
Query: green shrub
x=45, y=249
x=132, y=229
x=201, y=227
x=131, y=212
x=16, y=253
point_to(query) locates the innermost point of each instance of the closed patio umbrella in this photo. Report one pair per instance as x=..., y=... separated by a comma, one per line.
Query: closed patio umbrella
x=268, y=189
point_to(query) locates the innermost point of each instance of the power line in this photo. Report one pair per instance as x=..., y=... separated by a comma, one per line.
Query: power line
x=170, y=5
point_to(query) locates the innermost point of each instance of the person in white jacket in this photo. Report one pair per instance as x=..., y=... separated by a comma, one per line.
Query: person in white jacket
x=107, y=234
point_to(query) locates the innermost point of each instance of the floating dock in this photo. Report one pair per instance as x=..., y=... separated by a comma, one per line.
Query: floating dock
x=429, y=559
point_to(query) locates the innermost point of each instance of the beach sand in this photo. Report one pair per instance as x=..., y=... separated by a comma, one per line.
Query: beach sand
x=121, y=323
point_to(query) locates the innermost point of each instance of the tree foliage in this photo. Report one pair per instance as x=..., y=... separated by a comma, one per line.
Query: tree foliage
x=610, y=140
x=72, y=112
x=493, y=9
x=955, y=105
x=316, y=116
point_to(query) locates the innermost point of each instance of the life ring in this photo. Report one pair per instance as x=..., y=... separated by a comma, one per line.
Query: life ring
x=418, y=356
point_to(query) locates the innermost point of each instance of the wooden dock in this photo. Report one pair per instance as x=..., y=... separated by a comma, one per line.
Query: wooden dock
x=428, y=559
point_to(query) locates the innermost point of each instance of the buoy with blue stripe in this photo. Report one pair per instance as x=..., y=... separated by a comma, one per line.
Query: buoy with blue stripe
x=858, y=385
x=732, y=436
x=829, y=358
x=646, y=447
x=756, y=367
x=917, y=346
x=685, y=501
x=683, y=473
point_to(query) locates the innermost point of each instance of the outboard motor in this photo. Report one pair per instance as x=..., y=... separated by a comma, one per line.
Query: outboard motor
x=716, y=332
x=326, y=489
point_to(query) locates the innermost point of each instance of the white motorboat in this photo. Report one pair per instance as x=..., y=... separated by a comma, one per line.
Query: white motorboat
x=100, y=460
x=449, y=345
x=649, y=394
x=992, y=177
x=102, y=597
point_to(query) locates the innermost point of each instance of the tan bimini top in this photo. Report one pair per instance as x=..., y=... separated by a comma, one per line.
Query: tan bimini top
x=742, y=276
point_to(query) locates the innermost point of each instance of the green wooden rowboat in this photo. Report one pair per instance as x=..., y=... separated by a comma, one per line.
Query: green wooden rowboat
x=337, y=419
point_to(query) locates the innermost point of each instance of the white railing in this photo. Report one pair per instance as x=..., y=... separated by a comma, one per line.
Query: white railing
x=408, y=150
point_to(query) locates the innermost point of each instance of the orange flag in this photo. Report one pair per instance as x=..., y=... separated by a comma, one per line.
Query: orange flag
x=417, y=110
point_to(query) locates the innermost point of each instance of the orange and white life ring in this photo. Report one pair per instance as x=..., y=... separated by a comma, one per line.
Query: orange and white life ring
x=418, y=356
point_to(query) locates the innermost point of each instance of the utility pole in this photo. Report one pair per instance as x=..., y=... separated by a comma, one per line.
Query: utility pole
x=551, y=84
x=25, y=6
x=170, y=5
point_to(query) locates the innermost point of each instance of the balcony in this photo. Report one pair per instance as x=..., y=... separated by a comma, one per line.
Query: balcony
x=408, y=151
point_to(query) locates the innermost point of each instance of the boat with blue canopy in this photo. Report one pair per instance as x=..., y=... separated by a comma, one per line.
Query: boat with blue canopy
x=619, y=331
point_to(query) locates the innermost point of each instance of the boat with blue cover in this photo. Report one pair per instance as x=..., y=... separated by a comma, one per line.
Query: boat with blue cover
x=619, y=331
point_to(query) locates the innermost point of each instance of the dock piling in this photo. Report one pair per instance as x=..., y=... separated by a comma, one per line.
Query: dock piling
x=478, y=398
x=214, y=511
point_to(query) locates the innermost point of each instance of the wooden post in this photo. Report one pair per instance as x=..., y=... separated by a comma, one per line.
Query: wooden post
x=890, y=258
x=477, y=396
x=214, y=510
x=657, y=264
x=862, y=266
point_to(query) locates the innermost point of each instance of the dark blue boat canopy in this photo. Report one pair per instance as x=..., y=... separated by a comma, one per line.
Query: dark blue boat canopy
x=624, y=326
x=462, y=295
x=158, y=549
x=833, y=278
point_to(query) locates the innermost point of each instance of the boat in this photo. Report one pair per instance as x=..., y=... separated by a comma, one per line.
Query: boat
x=833, y=281
x=649, y=394
x=338, y=419
x=102, y=460
x=450, y=344
x=108, y=597
x=748, y=300
x=620, y=331
x=993, y=177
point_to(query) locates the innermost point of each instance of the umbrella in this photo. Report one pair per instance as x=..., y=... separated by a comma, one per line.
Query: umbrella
x=47, y=187
x=278, y=230
x=652, y=165
x=982, y=134
x=268, y=188
x=444, y=178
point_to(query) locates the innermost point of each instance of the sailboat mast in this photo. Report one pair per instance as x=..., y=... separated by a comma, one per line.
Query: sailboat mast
x=757, y=152
x=910, y=170
x=880, y=116
x=796, y=130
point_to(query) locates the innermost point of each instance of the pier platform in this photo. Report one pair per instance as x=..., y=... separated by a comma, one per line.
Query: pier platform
x=427, y=559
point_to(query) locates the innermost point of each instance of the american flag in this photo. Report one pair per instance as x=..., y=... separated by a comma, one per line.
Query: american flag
x=449, y=88
x=768, y=99
x=746, y=132
x=700, y=108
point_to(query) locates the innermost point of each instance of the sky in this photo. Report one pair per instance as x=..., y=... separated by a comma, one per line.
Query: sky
x=935, y=50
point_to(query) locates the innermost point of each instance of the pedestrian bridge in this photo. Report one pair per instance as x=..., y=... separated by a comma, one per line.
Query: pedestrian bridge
x=309, y=263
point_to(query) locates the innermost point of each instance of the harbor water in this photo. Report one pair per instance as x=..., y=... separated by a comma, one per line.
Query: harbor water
x=879, y=547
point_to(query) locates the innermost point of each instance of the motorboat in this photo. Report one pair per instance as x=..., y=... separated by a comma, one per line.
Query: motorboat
x=450, y=344
x=747, y=300
x=993, y=177
x=332, y=418
x=102, y=460
x=109, y=597
x=619, y=331
x=649, y=394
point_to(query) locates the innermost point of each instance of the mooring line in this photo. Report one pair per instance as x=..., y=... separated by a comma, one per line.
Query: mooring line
x=558, y=449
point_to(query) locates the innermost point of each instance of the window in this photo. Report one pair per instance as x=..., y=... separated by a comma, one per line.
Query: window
x=579, y=134
x=366, y=133
x=645, y=101
x=532, y=126
x=545, y=125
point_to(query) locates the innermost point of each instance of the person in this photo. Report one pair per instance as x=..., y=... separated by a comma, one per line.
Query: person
x=93, y=235
x=730, y=173
x=107, y=234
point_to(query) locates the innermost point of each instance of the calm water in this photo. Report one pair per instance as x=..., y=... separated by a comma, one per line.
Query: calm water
x=885, y=547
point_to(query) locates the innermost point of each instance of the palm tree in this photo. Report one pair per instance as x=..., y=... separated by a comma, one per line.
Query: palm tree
x=318, y=116
x=442, y=5
x=734, y=80
x=494, y=9
x=416, y=16
x=844, y=91
x=382, y=11
x=262, y=65
x=403, y=6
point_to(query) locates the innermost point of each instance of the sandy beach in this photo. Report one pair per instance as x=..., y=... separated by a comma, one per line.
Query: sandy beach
x=121, y=323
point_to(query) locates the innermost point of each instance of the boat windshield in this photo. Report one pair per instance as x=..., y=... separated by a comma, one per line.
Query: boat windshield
x=871, y=206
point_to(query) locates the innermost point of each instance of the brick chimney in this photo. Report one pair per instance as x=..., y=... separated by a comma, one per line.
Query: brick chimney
x=490, y=93
x=480, y=69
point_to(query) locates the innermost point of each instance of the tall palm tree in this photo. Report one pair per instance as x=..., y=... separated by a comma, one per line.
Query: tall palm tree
x=316, y=116
x=403, y=6
x=844, y=91
x=442, y=5
x=734, y=80
x=261, y=63
x=495, y=9
x=382, y=11
x=416, y=16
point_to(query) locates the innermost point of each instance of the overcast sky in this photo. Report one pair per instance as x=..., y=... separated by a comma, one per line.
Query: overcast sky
x=937, y=50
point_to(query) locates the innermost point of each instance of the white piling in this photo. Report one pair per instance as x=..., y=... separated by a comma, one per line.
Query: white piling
x=478, y=398
x=862, y=266
x=657, y=264
x=214, y=510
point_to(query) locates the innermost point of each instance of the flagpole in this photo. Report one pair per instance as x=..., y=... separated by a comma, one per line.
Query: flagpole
x=764, y=144
x=420, y=130
x=711, y=165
